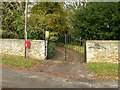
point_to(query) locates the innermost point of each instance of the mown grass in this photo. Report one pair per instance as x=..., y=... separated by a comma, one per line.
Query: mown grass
x=18, y=61
x=104, y=69
x=78, y=48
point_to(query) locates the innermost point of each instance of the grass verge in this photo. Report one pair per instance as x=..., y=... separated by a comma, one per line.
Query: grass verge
x=104, y=70
x=18, y=61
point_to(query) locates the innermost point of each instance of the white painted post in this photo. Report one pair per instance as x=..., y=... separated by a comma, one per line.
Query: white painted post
x=26, y=20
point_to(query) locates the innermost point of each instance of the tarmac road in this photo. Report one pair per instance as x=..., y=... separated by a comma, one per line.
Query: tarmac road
x=12, y=78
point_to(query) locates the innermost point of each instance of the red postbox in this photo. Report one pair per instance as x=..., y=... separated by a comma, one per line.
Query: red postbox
x=27, y=44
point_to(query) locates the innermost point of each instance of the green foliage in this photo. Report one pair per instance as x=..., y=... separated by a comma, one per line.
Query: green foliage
x=51, y=49
x=13, y=19
x=48, y=16
x=43, y=16
x=53, y=36
x=97, y=21
x=94, y=21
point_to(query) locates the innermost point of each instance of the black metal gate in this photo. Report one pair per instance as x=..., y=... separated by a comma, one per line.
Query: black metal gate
x=70, y=49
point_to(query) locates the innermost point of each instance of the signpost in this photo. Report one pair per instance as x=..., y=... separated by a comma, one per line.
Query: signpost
x=26, y=22
x=46, y=39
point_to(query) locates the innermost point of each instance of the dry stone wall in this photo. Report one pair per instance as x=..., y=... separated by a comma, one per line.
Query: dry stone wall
x=16, y=47
x=103, y=51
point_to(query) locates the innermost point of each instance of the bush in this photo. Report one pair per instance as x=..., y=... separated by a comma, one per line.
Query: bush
x=51, y=50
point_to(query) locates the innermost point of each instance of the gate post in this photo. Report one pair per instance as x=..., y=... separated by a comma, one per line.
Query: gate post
x=46, y=41
x=84, y=51
x=46, y=47
x=65, y=46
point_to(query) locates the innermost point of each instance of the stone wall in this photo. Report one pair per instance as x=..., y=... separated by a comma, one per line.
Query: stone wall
x=16, y=47
x=102, y=51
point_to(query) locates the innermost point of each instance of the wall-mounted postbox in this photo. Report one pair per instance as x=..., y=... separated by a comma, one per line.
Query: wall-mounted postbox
x=27, y=44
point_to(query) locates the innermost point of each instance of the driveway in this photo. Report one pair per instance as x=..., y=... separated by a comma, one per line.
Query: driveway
x=12, y=78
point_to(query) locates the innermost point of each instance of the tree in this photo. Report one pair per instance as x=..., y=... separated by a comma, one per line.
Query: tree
x=13, y=19
x=97, y=21
x=49, y=16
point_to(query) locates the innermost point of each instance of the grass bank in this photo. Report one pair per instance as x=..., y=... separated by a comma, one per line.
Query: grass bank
x=18, y=61
x=104, y=70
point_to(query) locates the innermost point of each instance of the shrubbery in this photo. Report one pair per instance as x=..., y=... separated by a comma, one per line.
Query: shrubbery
x=99, y=21
x=51, y=49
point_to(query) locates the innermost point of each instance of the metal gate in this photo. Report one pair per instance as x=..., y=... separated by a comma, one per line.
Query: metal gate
x=70, y=49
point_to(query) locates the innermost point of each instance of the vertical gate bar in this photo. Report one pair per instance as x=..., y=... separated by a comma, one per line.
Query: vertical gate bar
x=60, y=39
x=77, y=46
x=65, y=47
x=70, y=40
x=80, y=46
x=46, y=41
x=84, y=51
